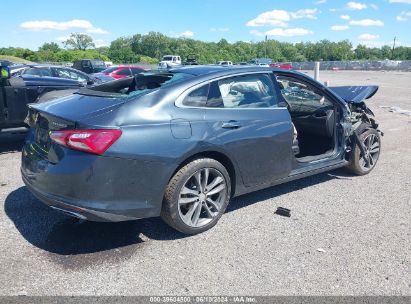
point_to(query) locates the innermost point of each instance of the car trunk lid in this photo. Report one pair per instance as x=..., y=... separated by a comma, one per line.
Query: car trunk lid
x=62, y=114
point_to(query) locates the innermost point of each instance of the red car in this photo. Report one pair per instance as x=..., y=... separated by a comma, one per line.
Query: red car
x=122, y=71
x=285, y=66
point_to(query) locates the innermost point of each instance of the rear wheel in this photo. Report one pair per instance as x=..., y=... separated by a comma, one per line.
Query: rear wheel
x=196, y=196
x=363, y=163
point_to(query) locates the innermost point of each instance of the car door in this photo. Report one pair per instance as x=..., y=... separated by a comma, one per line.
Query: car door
x=310, y=109
x=244, y=117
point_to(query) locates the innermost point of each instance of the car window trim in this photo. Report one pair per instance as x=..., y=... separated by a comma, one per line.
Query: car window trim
x=179, y=101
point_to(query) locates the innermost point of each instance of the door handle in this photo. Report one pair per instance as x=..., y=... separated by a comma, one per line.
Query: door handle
x=232, y=124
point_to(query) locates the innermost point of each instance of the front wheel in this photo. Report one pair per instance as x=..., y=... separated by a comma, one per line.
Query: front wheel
x=363, y=163
x=196, y=196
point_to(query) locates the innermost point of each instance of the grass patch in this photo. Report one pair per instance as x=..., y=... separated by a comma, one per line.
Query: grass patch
x=14, y=59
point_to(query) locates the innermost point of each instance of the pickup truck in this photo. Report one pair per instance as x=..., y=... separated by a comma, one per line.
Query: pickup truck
x=169, y=61
x=89, y=66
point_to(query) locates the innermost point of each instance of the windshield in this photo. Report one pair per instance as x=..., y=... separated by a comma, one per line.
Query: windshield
x=135, y=86
x=167, y=58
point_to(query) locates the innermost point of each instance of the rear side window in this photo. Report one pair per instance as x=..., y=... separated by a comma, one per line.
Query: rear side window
x=125, y=72
x=198, y=97
x=250, y=91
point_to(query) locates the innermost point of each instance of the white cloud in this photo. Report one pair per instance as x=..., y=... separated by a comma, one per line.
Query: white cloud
x=404, y=16
x=400, y=1
x=305, y=13
x=282, y=17
x=221, y=29
x=367, y=22
x=291, y=32
x=332, y=9
x=320, y=2
x=356, y=5
x=345, y=17
x=62, y=26
x=367, y=37
x=275, y=17
x=339, y=27
x=186, y=34
x=374, y=6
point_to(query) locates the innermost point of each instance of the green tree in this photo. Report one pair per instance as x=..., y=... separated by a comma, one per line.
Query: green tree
x=49, y=47
x=79, y=41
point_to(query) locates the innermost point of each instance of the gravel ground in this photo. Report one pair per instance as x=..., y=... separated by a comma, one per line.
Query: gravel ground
x=347, y=235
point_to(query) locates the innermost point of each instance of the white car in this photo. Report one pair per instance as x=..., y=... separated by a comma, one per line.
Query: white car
x=224, y=63
x=169, y=61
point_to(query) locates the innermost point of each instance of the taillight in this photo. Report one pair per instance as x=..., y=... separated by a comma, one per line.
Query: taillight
x=91, y=141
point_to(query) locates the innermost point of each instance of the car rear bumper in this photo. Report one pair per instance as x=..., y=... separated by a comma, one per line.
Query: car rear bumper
x=93, y=187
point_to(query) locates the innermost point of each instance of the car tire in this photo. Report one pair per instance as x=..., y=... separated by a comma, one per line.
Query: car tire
x=189, y=206
x=372, y=142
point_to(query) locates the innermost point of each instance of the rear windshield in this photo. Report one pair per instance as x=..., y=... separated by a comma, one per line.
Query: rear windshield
x=134, y=86
x=109, y=70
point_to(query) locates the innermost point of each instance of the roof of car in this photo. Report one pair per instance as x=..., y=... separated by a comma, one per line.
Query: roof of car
x=223, y=70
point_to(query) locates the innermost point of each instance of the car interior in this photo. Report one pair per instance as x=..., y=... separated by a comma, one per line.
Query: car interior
x=130, y=86
x=251, y=91
x=313, y=116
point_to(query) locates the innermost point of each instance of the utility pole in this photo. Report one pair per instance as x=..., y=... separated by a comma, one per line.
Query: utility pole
x=265, y=46
x=393, y=48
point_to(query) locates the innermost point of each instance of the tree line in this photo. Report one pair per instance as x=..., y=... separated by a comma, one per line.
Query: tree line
x=152, y=46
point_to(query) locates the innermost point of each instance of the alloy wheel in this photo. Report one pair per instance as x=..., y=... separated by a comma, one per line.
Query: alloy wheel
x=202, y=197
x=372, y=151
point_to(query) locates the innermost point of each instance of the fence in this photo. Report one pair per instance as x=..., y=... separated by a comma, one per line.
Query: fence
x=367, y=65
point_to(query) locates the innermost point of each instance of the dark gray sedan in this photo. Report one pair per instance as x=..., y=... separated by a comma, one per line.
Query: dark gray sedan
x=180, y=144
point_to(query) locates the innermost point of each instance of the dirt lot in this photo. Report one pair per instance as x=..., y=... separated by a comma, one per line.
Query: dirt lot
x=347, y=235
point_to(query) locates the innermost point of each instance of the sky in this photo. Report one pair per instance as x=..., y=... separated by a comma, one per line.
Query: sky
x=28, y=23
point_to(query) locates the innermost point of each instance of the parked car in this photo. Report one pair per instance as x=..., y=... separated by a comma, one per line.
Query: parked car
x=261, y=61
x=119, y=72
x=89, y=66
x=191, y=61
x=181, y=144
x=284, y=66
x=224, y=63
x=42, y=70
x=6, y=63
x=169, y=61
x=30, y=83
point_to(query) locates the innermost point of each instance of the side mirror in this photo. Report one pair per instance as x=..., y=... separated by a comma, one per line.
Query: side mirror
x=4, y=72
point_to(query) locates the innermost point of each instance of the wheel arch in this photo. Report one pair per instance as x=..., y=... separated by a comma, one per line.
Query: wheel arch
x=218, y=156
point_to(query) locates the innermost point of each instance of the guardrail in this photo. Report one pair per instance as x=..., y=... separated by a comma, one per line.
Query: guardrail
x=367, y=65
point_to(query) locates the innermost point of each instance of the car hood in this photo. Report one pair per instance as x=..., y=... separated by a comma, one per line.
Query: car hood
x=355, y=94
x=76, y=107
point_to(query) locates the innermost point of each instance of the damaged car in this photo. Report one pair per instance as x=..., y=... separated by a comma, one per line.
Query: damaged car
x=181, y=144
